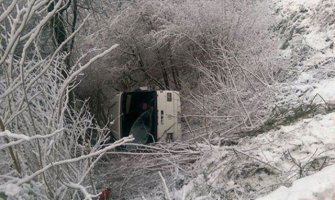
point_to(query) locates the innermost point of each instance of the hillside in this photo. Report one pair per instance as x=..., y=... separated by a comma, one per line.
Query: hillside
x=304, y=145
x=256, y=82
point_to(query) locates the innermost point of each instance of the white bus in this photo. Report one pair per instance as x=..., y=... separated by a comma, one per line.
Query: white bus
x=150, y=116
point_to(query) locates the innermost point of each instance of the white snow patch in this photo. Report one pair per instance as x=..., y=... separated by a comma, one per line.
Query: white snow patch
x=320, y=185
x=11, y=189
x=326, y=89
x=317, y=40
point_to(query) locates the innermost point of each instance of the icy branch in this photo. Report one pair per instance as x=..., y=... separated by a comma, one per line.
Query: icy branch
x=22, y=138
x=97, y=153
x=83, y=190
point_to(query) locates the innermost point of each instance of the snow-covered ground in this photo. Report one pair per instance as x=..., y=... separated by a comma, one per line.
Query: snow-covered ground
x=257, y=165
x=307, y=31
x=319, y=186
x=308, y=146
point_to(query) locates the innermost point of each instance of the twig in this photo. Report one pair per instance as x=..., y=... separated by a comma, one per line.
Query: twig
x=323, y=164
x=165, y=186
x=298, y=164
x=326, y=103
x=11, y=150
x=265, y=163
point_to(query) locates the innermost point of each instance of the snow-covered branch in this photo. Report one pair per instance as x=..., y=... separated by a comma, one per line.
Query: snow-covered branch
x=55, y=164
x=83, y=190
x=23, y=138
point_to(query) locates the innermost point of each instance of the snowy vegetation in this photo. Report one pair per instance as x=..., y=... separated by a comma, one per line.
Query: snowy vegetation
x=46, y=153
x=256, y=81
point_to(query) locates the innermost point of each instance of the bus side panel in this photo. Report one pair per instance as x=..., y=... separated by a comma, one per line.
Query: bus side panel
x=116, y=116
x=168, y=113
x=178, y=117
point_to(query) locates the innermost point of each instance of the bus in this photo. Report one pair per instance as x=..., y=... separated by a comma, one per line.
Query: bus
x=149, y=116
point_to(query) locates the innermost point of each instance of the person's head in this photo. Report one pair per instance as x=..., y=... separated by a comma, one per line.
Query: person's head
x=145, y=106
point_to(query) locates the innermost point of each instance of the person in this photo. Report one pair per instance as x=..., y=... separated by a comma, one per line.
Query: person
x=145, y=106
x=106, y=194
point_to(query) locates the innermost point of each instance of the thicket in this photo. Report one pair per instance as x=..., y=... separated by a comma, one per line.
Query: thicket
x=219, y=54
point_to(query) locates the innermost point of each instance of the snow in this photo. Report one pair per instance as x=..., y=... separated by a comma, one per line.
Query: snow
x=316, y=186
x=12, y=189
x=326, y=89
x=22, y=192
x=317, y=40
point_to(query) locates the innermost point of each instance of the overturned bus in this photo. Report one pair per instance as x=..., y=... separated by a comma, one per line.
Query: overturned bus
x=150, y=116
